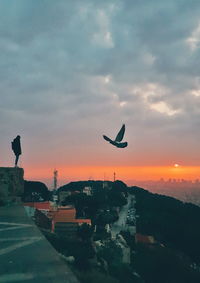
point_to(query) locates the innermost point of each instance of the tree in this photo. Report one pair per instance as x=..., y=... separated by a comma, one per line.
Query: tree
x=116, y=198
x=35, y=191
x=111, y=253
x=119, y=186
x=85, y=232
x=105, y=217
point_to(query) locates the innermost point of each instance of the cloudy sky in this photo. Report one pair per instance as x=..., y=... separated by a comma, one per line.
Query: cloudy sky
x=72, y=70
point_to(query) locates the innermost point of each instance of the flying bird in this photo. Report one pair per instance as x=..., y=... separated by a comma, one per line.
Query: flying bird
x=117, y=142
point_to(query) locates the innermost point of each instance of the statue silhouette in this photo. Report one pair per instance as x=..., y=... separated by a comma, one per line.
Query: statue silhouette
x=16, y=147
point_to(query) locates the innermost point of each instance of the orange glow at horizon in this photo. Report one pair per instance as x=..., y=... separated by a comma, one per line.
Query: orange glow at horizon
x=66, y=174
x=176, y=165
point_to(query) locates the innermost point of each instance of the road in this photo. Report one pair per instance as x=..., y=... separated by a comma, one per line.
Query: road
x=120, y=224
x=25, y=254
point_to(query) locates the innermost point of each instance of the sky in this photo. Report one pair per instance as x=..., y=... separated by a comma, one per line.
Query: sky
x=73, y=70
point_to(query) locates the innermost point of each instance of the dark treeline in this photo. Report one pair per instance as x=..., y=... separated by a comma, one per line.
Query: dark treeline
x=170, y=221
x=35, y=191
x=95, y=185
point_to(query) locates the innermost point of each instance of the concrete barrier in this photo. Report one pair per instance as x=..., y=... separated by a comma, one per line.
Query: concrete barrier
x=11, y=184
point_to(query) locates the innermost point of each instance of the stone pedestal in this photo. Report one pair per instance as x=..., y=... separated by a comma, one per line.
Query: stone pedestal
x=11, y=184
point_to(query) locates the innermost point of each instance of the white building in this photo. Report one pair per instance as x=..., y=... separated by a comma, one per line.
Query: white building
x=87, y=191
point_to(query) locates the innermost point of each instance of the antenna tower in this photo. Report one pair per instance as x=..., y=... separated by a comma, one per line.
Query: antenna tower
x=55, y=179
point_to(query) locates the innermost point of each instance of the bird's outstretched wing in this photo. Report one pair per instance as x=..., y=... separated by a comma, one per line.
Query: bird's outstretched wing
x=106, y=138
x=120, y=135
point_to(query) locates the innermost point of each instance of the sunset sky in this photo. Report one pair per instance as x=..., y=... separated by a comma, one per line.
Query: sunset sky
x=73, y=70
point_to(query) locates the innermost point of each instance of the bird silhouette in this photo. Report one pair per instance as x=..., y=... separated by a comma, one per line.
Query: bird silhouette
x=117, y=142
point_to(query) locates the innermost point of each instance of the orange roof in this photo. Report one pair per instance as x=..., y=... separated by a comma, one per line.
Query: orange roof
x=67, y=215
x=139, y=238
x=39, y=205
x=64, y=215
x=66, y=207
x=60, y=214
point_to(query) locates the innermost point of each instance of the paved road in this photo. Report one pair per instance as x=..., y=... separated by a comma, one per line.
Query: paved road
x=120, y=224
x=25, y=254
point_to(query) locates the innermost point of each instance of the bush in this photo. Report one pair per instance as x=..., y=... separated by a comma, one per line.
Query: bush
x=111, y=253
x=122, y=272
x=95, y=277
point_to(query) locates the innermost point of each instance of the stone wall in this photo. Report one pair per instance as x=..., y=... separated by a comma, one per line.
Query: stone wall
x=11, y=184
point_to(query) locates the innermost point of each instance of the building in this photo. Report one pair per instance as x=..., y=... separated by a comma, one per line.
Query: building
x=64, y=222
x=145, y=239
x=63, y=195
x=67, y=216
x=62, y=218
x=87, y=191
x=107, y=185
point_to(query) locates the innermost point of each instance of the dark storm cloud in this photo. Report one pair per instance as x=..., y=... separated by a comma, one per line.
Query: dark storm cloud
x=73, y=69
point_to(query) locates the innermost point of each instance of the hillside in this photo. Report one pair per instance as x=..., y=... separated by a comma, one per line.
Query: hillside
x=174, y=257
x=172, y=222
x=79, y=185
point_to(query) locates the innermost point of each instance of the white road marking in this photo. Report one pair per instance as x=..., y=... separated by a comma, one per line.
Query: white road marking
x=20, y=245
x=19, y=239
x=15, y=226
x=10, y=228
x=16, y=277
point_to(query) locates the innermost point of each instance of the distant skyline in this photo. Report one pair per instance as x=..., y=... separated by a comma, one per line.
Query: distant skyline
x=72, y=71
x=129, y=175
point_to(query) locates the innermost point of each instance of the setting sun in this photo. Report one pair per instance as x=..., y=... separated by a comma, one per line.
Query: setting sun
x=176, y=165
